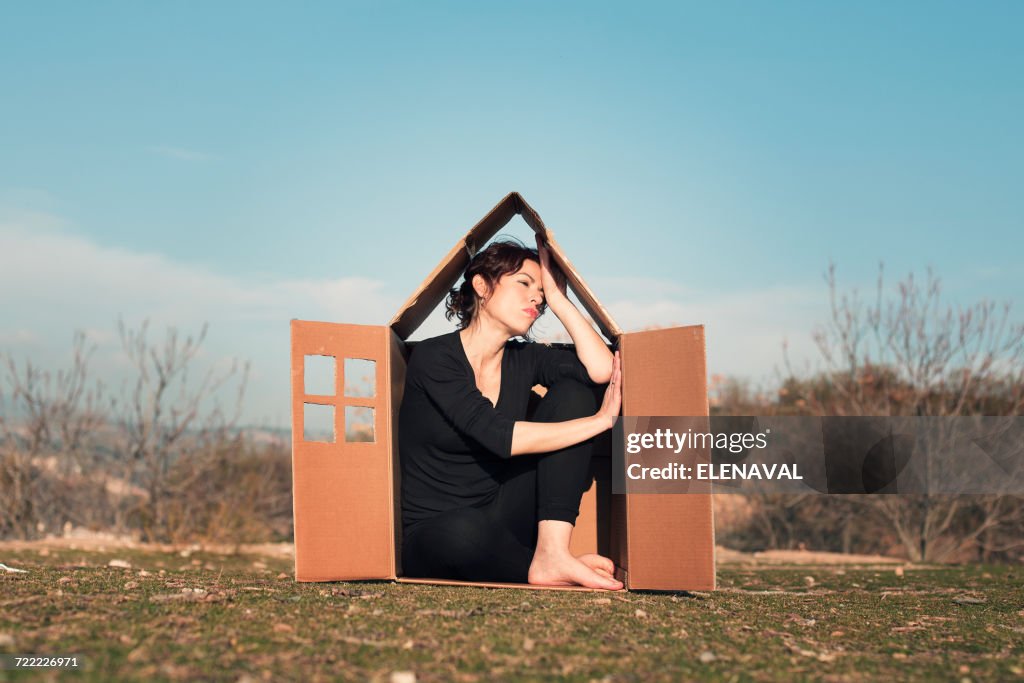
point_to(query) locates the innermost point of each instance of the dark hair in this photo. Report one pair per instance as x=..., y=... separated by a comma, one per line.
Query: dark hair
x=500, y=258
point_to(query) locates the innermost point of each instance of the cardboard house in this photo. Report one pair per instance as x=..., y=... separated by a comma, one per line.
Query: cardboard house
x=346, y=488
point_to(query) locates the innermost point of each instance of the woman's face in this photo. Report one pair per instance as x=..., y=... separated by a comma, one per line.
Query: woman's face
x=514, y=301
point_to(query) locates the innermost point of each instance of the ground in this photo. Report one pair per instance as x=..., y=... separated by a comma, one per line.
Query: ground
x=141, y=613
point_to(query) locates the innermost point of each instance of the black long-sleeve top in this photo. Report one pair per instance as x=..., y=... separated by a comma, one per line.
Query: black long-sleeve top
x=452, y=441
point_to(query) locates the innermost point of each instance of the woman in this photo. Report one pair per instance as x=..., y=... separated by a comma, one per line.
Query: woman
x=486, y=494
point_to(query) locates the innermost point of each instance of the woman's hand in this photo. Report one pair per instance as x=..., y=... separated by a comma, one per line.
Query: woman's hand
x=547, y=278
x=612, y=403
x=590, y=348
x=544, y=437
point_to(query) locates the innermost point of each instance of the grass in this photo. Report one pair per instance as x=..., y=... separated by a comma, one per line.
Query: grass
x=232, y=618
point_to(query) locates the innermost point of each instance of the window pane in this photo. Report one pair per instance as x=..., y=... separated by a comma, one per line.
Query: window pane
x=319, y=375
x=358, y=424
x=317, y=423
x=360, y=378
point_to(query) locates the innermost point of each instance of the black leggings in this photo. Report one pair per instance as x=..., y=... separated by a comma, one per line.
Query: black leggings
x=495, y=541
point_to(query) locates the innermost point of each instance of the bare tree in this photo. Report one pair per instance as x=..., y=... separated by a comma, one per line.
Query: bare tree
x=168, y=422
x=164, y=460
x=916, y=355
x=48, y=425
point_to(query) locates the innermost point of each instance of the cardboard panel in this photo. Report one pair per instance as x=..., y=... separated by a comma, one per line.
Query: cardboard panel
x=397, y=362
x=601, y=317
x=618, y=550
x=669, y=539
x=436, y=286
x=584, y=534
x=343, y=491
x=485, y=584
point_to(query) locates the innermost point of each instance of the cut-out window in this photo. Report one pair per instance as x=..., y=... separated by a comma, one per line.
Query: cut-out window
x=318, y=423
x=360, y=378
x=359, y=424
x=319, y=375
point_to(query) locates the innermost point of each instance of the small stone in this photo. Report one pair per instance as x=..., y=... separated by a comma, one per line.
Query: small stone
x=528, y=644
x=899, y=655
x=964, y=669
x=640, y=614
x=809, y=580
x=402, y=677
x=282, y=575
x=899, y=572
x=969, y=600
x=6, y=640
x=143, y=572
x=602, y=601
x=120, y=564
x=707, y=657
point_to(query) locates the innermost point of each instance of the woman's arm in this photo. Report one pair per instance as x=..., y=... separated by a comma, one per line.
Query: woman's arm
x=543, y=437
x=590, y=348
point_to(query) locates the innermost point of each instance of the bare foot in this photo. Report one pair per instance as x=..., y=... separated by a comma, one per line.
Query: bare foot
x=599, y=563
x=562, y=569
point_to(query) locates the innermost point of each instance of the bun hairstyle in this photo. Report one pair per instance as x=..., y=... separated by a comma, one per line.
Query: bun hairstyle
x=500, y=258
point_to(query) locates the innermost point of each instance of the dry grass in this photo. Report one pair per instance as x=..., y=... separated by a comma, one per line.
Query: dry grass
x=229, y=617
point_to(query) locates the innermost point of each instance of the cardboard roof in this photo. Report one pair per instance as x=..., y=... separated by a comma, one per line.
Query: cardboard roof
x=436, y=286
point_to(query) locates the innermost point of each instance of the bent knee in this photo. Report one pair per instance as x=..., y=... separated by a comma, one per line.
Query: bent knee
x=567, y=399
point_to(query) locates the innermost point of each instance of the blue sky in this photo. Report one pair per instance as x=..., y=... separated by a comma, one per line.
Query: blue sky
x=248, y=163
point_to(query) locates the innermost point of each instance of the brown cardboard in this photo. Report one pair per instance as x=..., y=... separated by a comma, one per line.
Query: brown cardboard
x=651, y=386
x=434, y=289
x=346, y=494
x=342, y=492
x=488, y=584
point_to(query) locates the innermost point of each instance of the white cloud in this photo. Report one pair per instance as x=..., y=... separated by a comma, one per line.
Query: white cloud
x=53, y=283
